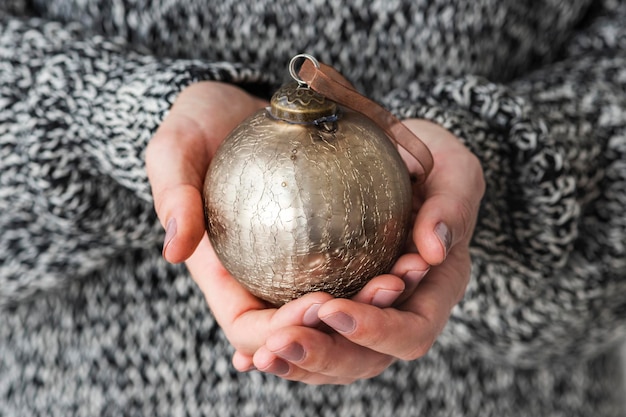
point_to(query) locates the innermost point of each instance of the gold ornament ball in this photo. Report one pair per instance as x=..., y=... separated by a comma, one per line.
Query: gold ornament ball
x=306, y=196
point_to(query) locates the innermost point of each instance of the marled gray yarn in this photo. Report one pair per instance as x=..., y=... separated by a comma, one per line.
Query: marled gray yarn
x=94, y=322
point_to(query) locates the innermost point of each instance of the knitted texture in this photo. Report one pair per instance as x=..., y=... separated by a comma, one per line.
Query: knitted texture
x=94, y=322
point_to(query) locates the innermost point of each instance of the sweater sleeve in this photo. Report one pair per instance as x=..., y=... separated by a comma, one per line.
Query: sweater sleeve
x=76, y=113
x=549, y=251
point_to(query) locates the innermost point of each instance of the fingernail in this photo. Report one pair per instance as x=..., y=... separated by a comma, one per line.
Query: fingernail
x=250, y=369
x=341, y=322
x=294, y=352
x=278, y=367
x=384, y=298
x=310, y=318
x=413, y=277
x=170, y=232
x=443, y=233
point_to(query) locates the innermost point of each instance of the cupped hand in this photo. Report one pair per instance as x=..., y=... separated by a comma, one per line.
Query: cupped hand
x=177, y=159
x=317, y=339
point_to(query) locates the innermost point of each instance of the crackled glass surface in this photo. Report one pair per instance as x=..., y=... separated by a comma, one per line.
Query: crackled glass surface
x=293, y=208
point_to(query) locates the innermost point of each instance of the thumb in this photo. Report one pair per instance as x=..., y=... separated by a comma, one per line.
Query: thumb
x=178, y=156
x=176, y=159
x=452, y=194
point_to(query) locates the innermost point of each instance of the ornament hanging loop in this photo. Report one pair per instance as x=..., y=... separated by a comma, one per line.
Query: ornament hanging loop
x=294, y=68
x=328, y=82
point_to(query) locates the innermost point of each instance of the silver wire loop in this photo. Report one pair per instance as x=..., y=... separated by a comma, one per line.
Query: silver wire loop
x=292, y=67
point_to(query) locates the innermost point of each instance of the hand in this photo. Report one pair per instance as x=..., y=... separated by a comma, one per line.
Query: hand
x=199, y=120
x=367, y=338
x=177, y=158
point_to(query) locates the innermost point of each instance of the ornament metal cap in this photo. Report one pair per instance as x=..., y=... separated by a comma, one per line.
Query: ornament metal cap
x=299, y=104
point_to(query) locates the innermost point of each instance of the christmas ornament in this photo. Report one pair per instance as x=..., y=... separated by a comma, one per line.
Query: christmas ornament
x=309, y=195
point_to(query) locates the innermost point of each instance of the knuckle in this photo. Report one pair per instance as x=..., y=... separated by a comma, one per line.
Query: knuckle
x=467, y=212
x=372, y=339
x=374, y=334
x=160, y=202
x=238, y=335
x=477, y=174
x=323, y=364
x=238, y=344
x=377, y=368
x=343, y=381
x=427, y=334
x=155, y=148
x=467, y=206
x=418, y=350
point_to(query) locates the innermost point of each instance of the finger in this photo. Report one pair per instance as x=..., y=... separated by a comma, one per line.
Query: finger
x=389, y=331
x=309, y=354
x=246, y=320
x=452, y=194
x=446, y=218
x=301, y=311
x=176, y=159
x=381, y=291
x=228, y=300
x=385, y=290
x=412, y=268
x=243, y=362
x=409, y=331
x=266, y=361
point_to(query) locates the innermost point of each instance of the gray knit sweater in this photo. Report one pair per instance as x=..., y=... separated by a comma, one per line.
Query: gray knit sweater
x=92, y=320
